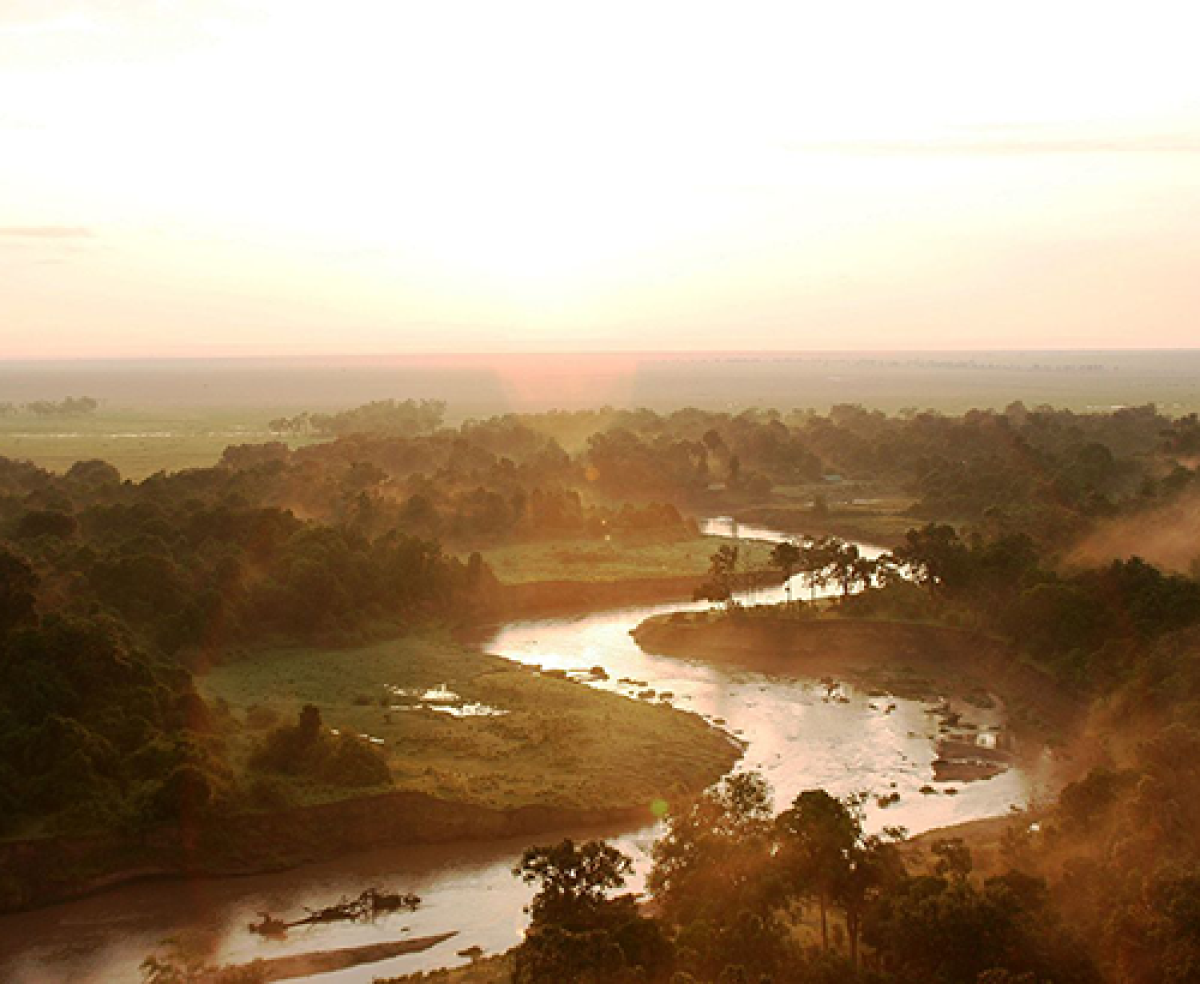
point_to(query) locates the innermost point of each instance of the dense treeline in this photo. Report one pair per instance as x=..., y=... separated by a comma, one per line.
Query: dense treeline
x=1093, y=628
x=381, y=417
x=95, y=730
x=1121, y=850
x=1049, y=472
x=478, y=484
x=112, y=592
x=194, y=558
x=71, y=406
x=803, y=897
x=1104, y=888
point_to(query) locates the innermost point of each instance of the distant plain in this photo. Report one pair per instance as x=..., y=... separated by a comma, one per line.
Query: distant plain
x=170, y=414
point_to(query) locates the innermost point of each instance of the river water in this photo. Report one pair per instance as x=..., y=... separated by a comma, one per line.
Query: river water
x=795, y=735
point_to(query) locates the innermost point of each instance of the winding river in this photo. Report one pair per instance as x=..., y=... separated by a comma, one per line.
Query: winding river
x=794, y=734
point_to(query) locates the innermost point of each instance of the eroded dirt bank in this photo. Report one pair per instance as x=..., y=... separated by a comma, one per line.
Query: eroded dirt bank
x=42, y=871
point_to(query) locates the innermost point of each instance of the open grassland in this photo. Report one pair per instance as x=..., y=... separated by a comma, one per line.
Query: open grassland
x=137, y=442
x=522, y=739
x=612, y=560
x=854, y=510
x=991, y=841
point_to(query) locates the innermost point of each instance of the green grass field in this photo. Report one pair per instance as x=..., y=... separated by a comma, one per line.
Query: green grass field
x=137, y=442
x=882, y=522
x=556, y=742
x=601, y=560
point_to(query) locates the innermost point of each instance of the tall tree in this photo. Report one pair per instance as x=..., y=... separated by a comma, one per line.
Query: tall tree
x=816, y=836
x=573, y=880
x=711, y=860
x=722, y=576
x=786, y=557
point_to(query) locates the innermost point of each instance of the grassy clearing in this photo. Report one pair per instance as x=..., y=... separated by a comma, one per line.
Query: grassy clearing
x=883, y=523
x=989, y=840
x=137, y=442
x=557, y=743
x=605, y=560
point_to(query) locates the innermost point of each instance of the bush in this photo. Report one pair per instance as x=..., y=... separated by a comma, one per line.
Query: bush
x=353, y=762
x=309, y=750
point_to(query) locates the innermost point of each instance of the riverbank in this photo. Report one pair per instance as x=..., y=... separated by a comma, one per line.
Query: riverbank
x=552, y=599
x=625, y=557
x=883, y=527
x=485, y=907
x=466, y=726
x=479, y=748
x=48, y=870
x=555, y=599
x=984, y=838
x=904, y=658
x=553, y=578
x=306, y=965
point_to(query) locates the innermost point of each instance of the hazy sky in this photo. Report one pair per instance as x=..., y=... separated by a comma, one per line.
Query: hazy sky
x=281, y=176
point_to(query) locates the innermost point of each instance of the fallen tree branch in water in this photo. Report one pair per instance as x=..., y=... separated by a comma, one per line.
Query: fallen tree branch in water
x=369, y=905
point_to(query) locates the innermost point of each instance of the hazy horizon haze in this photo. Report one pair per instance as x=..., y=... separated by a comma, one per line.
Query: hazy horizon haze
x=235, y=177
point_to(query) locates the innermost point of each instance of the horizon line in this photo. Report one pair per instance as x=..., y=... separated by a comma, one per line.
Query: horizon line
x=588, y=353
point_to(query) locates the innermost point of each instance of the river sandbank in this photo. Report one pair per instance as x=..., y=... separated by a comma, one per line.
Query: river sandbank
x=919, y=660
x=326, y=961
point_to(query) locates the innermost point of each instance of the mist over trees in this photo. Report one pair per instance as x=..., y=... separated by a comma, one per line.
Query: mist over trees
x=407, y=418
x=113, y=594
x=735, y=886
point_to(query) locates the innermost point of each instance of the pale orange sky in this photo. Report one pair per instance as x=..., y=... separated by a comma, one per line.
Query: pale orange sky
x=188, y=177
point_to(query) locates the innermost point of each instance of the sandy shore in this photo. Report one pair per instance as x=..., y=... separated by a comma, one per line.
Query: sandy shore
x=326, y=961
